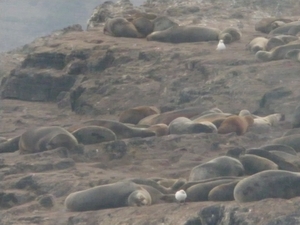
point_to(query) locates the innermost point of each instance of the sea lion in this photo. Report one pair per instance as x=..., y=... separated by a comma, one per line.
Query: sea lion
x=253, y=164
x=291, y=131
x=264, y=124
x=143, y=25
x=223, y=192
x=257, y=44
x=161, y=23
x=183, y=125
x=294, y=54
x=291, y=28
x=121, y=130
x=279, y=147
x=279, y=40
x=40, y=139
x=120, y=27
x=237, y=124
x=183, y=34
x=149, y=16
x=230, y=34
x=291, y=140
x=157, y=196
x=119, y=194
x=168, y=117
x=268, y=184
x=265, y=25
x=296, y=117
x=218, y=167
x=167, y=182
x=215, y=118
x=11, y=145
x=277, y=53
x=160, y=129
x=213, y=128
x=93, y=134
x=282, y=164
x=134, y=115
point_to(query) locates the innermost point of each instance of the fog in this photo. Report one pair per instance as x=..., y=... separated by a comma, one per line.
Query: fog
x=21, y=21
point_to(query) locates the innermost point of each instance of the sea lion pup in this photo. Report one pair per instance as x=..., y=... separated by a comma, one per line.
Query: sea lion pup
x=215, y=118
x=268, y=184
x=279, y=147
x=294, y=54
x=253, y=164
x=282, y=164
x=265, y=25
x=223, y=192
x=40, y=139
x=119, y=194
x=160, y=129
x=93, y=134
x=291, y=28
x=257, y=44
x=143, y=25
x=184, y=34
x=291, y=140
x=230, y=34
x=277, y=53
x=183, y=125
x=11, y=145
x=120, y=27
x=121, y=130
x=279, y=40
x=168, y=117
x=218, y=167
x=237, y=124
x=134, y=115
x=163, y=23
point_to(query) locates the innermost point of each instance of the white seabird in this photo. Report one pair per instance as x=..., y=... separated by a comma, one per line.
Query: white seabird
x=221, y=45
x=180, y=196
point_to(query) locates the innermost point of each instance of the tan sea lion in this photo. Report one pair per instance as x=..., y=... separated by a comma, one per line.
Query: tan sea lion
x=257, y=44
x=277, y=53
x=268, y=184
x=183, y=125
x=168, y=117
x=93, y=134
x=143, y=25
x=182, y=34
x=40, y=139
x=254, y=164
x=230, y=34
x=218, y=167
x=291, y=28
x=223, y=192
x=265, y=25
x=134, y=115
x=120, y=27
x=237, y=124
x=160, y=129
x=114, y=195
x=163, y=23
x=290, y=140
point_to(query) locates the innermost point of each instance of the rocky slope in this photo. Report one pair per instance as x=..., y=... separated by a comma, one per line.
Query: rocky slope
x=74, y=75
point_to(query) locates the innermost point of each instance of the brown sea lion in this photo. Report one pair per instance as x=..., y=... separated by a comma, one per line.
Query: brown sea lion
x=268, y=184
x=237, y=124
x=182, y=34
x=257, y=44
x=120, y=27
x=134, y=115
x=265, y=25
x=40, y=139
x=230, y=34
x=114, y=195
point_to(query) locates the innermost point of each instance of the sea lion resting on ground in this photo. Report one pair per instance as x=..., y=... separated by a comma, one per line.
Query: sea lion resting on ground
x=223, y=192
x=277, y=53
x=134, y=115
x=268, y=184
x=265, y=25
x=294, y=54
x=291, y=28
x=279, y=40
x=290, y=140
x=237, y=124
x=218, y=167
x=120, y=27
x=264, y=124
x=114, y=195
x=143, y=25
x=161, y=23
x=229, y=35
x=45, y=138
x=182, y=34
x=257, y=44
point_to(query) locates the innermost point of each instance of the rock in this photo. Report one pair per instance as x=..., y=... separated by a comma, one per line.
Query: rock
x=46, y=201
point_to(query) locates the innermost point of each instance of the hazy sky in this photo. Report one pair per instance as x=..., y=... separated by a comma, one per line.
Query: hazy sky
x=21, y=21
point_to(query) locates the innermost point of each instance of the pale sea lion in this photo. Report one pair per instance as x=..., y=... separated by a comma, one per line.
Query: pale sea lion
x=160, y=129
x=223, y=192
x=230, y=34
x=237, y=124
x=183, y=125
x=40, y=139
x=218, y=167
x=265, y=25
x=163, y=23
x=264, y=124
x=277, y=53
x=268, y=184
x=257, y=44
x=134, y=115
x=290, y=140
x=182, y=34
x=120, y=27
x=114, y=195
x=93, y=134
x=254, y=164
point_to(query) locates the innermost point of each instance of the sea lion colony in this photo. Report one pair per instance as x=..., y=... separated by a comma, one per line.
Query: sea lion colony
x=242, y=174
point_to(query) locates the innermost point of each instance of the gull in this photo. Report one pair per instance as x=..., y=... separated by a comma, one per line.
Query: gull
x=180, y=196
x=221, y=45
